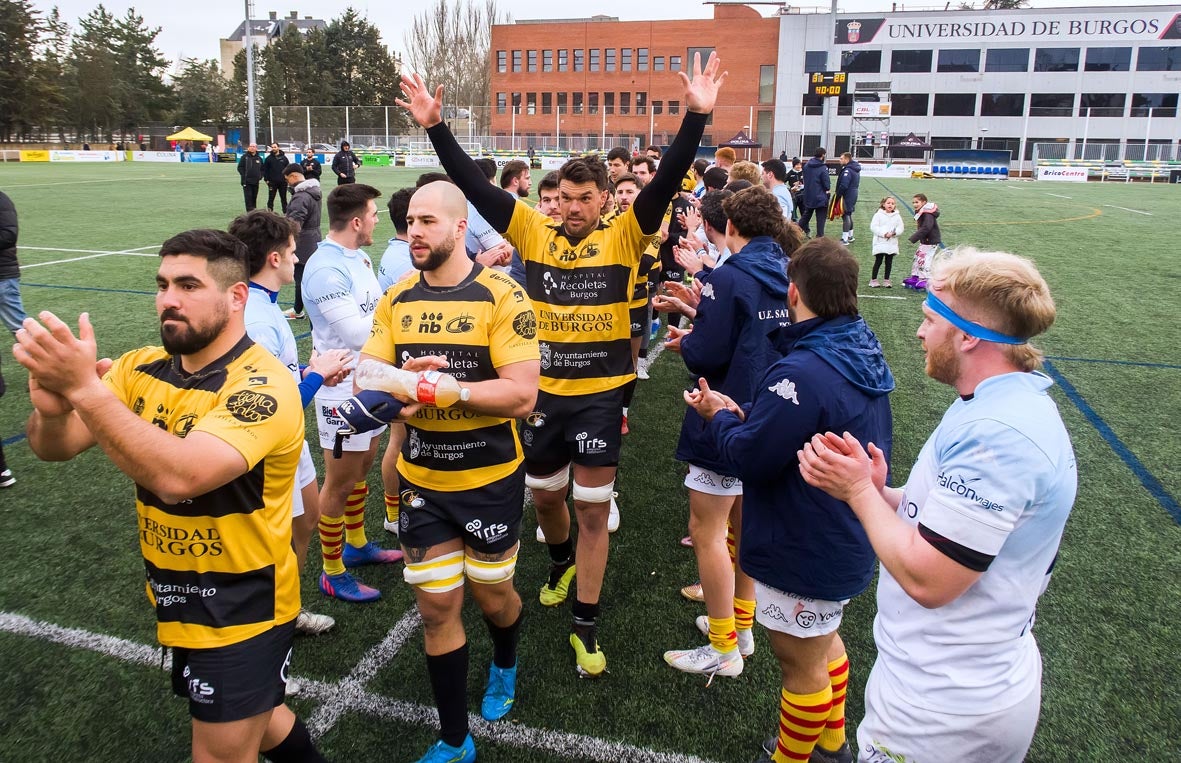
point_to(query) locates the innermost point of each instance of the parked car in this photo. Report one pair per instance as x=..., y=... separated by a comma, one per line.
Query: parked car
x=290, y=148
x=380, y=150
x=323, y=148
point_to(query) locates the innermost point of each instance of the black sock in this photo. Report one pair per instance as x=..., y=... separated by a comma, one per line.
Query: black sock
x=448, y=674
x=297, y=747
x=629, y=391
x=504, y=641
x=561, y=554
x=585, y=616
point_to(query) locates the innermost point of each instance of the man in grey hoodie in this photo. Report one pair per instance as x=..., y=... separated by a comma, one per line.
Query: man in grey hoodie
x=304, y=209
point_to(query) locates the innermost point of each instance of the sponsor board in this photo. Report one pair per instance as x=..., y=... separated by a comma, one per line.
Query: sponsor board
x=553, y=162
x=892, y=170
x=1063, y=174
x=422, y=160
x=84, y=156
x=34, y=156
x=153, y=156
x=1095, y=26
x=503, y=160
x=871, y=110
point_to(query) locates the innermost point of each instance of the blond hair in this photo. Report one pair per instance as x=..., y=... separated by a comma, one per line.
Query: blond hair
x=745, y=170
x=1001, y=291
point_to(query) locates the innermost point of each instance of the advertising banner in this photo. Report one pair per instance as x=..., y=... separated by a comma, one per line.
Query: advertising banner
x=375, y=160
x=1063, y=174
x=83, y=156
x=422, y=160
x=153, y=156
x=871, y=110
x=553, y=162
x=892, y=170
x=196, y=156
x=34, y=156
x=1076, y=25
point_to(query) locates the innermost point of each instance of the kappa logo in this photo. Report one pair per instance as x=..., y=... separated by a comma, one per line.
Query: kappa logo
x=786, y=389
x=775, y=613
x=406, y=321
x=708, y=291
x=460, y=325
x=411, y=499
x=705, y=479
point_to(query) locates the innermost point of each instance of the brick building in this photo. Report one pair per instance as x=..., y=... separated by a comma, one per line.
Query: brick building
x=601, y=82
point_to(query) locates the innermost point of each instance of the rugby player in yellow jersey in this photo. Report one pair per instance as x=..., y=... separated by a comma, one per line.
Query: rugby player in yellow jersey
x=210, y=427
x=461, y=480
x=580, y=276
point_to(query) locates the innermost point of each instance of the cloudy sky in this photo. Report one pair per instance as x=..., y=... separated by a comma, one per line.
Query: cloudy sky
x=193, y=29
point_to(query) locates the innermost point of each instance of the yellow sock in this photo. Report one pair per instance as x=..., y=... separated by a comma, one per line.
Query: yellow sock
x=801, y=717
x=722, y=635
x=331, y=538
x=744, y=614
x=391, y=508
x=833, y=735
x=354, y=516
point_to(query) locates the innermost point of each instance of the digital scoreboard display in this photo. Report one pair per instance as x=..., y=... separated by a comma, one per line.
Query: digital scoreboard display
x=827, y=84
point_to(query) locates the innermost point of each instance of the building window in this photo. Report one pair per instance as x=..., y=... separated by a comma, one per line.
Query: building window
x=516, y=60
x=516, y=103
x=1153, y=59
x=579, y=59
x=674, y=107
x=592, y=103
x=1056, y=60
x=531, y=103
x=909, y=104
x=763, y=131
x=532, y=60
x=1102, y=104
x=861, y=61
x=1007, y=60
x=1051, y=104
x=674, y=63
x=501, y=103
x=577, y=97
x=609, y=60
x=910, y=61
x=594, y=59
x=547, y=103
x=703, y=52
x=955, y=105
x=625, y=103
x=958, y=60
x=625, y=60
x=562, y=103
x=641, y=59
x=502, y=61
x=641, y=103
x=815, y=61
x=547, y=60
x=608, y=103
x=658, y=63
x=766, y=84
x=812, y=105
x=657, y=108
x=563, y=60
x=1002, y=104
x=1108, y=60
x=1161, y=104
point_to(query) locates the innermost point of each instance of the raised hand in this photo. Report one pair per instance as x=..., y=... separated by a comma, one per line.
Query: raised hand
x=701, y=92
x=426, y=109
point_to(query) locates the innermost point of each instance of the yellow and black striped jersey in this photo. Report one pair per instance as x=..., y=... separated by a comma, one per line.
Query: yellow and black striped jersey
x=220, y=567
x=581, y=289
x=647, y=274
x=481, y=324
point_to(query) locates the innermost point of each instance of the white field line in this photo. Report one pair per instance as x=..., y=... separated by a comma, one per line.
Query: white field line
x=350, y=695
x=877, y=296
x=68, y=182
x=94, y=254
x=653, y=354
x=1137, y=211
x=1060, y=196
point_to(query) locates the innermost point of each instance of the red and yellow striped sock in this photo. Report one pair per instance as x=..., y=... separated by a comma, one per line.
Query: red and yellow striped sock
x=392, y=507
x=731, y=544
x=744, y=614
x=833, y=735
x=722, y=634
x=801, y=718
x=331, y=540
x=354, y=516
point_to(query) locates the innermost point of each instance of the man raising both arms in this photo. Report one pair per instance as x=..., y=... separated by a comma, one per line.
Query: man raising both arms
x=580, y=276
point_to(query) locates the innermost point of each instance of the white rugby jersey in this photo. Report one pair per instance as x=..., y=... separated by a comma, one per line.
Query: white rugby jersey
x=992, y=489
x=266, y=325
x=394, y=264
x=340, y=292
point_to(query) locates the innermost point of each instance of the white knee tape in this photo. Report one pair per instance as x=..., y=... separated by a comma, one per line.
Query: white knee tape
x=600, y=494
x=490, y=573
x=558, y=481
x=438, y=575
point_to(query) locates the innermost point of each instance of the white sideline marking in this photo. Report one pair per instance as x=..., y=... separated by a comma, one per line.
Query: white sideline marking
x=877, y=296
x=93, y=254
x=349, y=694
x=653, y=353
x=1060, y=196
x=1137, y=211
x=68, y=182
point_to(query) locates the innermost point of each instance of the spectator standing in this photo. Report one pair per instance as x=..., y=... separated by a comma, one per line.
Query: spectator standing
x=775, y=180
x=345, y=164
x=795, y=184
x=311, y=167
x=272, y=173
x=305, y=210
x=928, y=237
x=887, y=227
x=815, y=192
x=848, y=184
x=12, y=309
x=250, y=171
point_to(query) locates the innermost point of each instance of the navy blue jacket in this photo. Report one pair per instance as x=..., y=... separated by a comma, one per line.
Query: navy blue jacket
x=743, y=308
x=816, y=184
x=847, y=184
x=796, y=538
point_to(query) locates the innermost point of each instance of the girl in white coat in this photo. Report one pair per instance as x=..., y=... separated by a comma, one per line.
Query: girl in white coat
x=887, y=227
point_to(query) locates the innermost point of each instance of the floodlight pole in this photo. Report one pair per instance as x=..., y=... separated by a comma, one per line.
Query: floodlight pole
x=248, y=41
x=309, y=125
x=825, y=106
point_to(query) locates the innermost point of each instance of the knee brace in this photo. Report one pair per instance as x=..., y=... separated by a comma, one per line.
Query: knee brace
x=594, y=494
x=557, y=482
x=490, y=573
x=439, y=575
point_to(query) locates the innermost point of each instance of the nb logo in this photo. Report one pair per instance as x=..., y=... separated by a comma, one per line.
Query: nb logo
x=430, y=323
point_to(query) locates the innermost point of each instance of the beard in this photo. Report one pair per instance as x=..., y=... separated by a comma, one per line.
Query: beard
x=943, y=364
x=523, y=193
x=182, y=338
x=435, y=257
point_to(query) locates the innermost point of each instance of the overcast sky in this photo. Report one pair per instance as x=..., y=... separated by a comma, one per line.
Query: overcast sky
x=193, y=29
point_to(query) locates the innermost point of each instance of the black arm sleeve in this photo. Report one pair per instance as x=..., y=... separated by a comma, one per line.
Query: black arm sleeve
x=650, y=205
x=8, y=224
x=494, y=204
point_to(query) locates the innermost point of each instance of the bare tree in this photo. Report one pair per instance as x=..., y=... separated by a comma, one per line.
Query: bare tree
x=449, y=43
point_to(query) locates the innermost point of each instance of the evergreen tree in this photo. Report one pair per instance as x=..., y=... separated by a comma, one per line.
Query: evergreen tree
x=203, y=97
x=19, y=28
x=92, y=86
x=140, y=90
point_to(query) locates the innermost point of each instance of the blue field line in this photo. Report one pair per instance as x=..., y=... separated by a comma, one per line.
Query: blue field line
x=13, y=440
x=901, y=201
x=1113, y=362
x=1150, y=483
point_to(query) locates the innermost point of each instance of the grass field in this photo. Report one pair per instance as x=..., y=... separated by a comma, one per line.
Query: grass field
x=80, y=676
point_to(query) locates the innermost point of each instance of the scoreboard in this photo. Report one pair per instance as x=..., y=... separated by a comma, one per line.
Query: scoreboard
x=827, y=84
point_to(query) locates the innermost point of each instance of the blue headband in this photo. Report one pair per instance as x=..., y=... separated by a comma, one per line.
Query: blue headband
x=967, y=326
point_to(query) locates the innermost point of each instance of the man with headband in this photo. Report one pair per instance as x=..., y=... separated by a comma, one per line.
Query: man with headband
x=968, y=543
